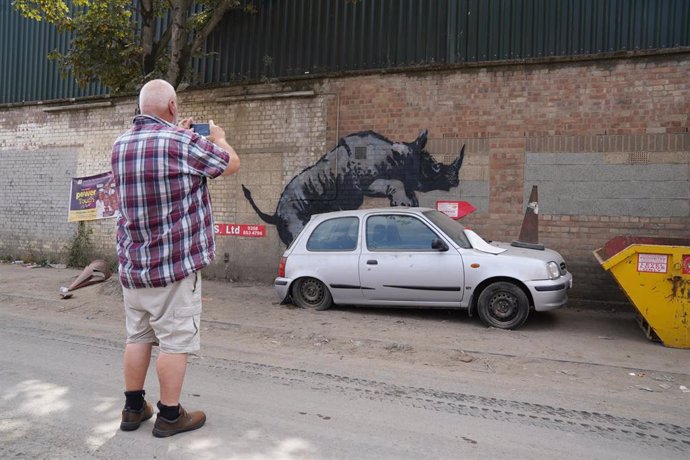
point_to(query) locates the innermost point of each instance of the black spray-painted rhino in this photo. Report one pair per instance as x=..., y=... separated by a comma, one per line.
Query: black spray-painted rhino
x=362, y=164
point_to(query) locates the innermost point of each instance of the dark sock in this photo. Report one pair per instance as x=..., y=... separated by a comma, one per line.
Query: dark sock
x=135, y=399
x=168, y=412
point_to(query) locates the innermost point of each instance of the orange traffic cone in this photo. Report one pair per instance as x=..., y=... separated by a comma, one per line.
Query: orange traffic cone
x=529, y=233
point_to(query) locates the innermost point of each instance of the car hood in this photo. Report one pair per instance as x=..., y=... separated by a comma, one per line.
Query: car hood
x=507, y=250
x=545, y=255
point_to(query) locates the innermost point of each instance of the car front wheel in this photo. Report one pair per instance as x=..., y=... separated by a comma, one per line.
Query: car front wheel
x=311, y=293
x=503, y=305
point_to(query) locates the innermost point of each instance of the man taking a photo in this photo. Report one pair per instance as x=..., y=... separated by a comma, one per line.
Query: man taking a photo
x=164, y=237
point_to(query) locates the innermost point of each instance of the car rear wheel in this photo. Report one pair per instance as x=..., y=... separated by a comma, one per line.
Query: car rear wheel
x=503, y=305
x=311, y=293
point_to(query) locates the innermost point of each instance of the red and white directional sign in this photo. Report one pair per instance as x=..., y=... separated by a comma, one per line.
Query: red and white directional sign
x=455, y=209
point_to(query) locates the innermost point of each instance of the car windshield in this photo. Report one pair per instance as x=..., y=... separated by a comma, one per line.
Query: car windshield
x=450, y=227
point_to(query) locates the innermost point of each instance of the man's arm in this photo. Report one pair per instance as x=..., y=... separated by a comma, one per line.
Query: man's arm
x=218, y=137
x=234, y=162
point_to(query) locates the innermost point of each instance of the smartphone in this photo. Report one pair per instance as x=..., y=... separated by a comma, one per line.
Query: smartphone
x=202, y=129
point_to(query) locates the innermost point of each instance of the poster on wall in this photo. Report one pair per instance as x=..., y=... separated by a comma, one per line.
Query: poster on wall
x=92, y=198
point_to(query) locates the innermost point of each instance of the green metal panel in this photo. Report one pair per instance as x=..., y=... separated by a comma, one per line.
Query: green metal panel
x=295, y=37
x=25, y=72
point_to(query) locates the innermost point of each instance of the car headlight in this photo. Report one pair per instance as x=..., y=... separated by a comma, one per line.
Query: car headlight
x=552, y=270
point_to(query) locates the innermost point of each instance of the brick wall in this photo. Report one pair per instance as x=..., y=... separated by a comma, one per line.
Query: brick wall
x=606, y=141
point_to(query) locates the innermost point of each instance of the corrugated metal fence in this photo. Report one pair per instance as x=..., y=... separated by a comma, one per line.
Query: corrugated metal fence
x=293, y=37
x=26, y=74
x=296, y=37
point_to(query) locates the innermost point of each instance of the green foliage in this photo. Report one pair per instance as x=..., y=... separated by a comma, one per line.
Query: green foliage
x=104, y=46
x=56, y=12
x=80, y=247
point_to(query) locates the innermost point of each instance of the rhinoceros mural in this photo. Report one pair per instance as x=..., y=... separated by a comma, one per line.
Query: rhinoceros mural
x=363, y=164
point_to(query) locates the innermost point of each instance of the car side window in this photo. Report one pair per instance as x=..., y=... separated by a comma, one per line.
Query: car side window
x=398, y=233
x=338, y=234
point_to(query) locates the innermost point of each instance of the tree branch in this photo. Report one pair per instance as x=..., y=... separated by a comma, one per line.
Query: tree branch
x=218, y=12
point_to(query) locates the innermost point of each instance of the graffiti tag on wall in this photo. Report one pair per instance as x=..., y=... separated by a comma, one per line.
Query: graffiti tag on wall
x=363, y=164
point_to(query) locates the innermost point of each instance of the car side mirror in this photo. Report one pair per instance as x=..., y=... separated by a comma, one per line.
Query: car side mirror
x=438, y=245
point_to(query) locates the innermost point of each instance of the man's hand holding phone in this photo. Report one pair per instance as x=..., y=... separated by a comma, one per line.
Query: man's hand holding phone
x=203, y=129
x=185, y=123
x=210, y=130
x=216, y=133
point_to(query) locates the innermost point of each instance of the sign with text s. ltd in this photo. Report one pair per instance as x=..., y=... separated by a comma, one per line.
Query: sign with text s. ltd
x=255, y=231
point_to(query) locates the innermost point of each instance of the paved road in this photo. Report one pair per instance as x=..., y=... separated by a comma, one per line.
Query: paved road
x=60, y=387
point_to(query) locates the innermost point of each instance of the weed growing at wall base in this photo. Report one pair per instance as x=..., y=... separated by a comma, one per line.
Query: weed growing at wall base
x=80, y=247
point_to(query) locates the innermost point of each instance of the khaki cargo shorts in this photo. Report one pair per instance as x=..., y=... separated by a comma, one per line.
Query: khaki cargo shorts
x=169, y=316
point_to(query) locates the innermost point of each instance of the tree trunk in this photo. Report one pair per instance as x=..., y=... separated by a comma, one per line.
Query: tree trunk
x=147, y=38
x=179, y=41
x=181, y=55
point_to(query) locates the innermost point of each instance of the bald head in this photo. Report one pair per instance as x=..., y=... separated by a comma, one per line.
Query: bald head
x=158, y=98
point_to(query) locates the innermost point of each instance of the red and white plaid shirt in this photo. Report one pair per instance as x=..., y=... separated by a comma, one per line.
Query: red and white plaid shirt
x=165, y=229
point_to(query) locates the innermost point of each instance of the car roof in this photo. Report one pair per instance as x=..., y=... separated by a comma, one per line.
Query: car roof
x=367, y=211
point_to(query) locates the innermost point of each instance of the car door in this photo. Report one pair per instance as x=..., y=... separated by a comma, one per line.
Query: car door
x=398, y=264
x=333, y=255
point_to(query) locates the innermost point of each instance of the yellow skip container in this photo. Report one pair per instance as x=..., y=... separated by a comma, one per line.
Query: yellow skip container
x=655, y=275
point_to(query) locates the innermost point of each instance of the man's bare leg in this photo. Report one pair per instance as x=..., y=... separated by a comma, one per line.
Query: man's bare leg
x=171, y=370
x=172, y=418
x=136, y=365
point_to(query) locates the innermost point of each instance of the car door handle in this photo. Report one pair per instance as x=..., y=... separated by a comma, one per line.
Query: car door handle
x=372, y=262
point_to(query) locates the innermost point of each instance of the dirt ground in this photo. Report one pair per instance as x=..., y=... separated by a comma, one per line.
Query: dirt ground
x=566, y=367
x=557, y=345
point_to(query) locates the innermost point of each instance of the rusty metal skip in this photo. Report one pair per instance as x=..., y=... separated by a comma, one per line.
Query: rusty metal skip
x=655, y=275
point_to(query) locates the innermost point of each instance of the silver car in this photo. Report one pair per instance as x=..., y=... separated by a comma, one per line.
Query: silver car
x=418, y=257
